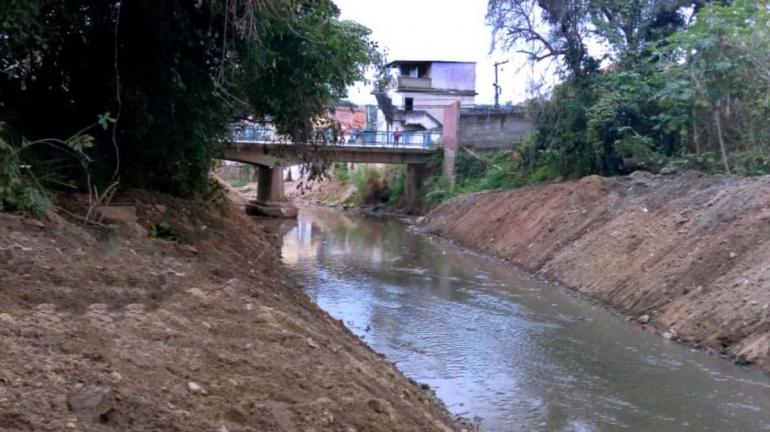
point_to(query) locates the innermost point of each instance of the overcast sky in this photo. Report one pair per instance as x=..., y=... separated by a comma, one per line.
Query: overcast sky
x=438, y=30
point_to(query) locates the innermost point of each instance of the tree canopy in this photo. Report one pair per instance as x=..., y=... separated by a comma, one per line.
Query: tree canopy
x=644, y=83
x=563, y=30
x=156, y=83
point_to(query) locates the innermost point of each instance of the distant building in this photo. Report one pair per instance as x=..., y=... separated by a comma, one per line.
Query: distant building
x=350, y=117
x=419, y=91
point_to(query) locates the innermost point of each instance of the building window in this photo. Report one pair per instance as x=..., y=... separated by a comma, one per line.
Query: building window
x=409, y=104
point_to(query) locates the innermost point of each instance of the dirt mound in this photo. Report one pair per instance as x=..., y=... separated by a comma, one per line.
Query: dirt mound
x=115, y=330
x=691, y=251
x=326, y=192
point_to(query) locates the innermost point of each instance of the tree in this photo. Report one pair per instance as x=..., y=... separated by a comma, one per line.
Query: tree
x=542, y=29
x=717, y=70
x=597, y=120
x=170, y=76
x=562, y=30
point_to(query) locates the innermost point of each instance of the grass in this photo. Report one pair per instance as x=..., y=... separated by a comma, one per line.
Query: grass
x=239, y=183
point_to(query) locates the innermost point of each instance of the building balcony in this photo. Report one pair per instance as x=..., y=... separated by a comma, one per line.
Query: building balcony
x=407, y=82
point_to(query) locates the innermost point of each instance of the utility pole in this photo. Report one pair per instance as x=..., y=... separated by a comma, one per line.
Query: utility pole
x=496, y=85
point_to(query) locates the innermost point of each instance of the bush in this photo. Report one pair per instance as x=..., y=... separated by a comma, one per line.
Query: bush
x=16, y=191
x=440, y=190
x=239, y=183
x=370, y=186
x=341, y=172
x=745, y=163
x=396, y=181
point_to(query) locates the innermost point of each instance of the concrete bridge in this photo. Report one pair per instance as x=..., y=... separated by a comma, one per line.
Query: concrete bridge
x=271, y=153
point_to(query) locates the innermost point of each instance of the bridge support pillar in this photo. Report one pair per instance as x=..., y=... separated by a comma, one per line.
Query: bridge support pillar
x=270, y=198
x=449, y=140
x=415, y=176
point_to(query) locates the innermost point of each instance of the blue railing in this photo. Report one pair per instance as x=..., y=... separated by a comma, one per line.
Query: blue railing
x=407, y=139
x=254, y=134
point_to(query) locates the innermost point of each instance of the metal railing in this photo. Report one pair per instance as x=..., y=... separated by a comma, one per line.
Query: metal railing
x=405, y=139
x=255, y=134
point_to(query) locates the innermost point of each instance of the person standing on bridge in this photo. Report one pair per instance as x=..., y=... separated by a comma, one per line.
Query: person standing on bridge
x=396, y=136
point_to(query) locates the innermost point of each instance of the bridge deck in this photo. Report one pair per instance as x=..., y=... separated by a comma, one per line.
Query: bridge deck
x=365, y=138
x=270, y=153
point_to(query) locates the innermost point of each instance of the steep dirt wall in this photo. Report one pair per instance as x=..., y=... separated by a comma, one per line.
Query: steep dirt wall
x=691, y=251
x=112, y=330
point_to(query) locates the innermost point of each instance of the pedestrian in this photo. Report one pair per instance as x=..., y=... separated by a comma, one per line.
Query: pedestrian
x=396, y=136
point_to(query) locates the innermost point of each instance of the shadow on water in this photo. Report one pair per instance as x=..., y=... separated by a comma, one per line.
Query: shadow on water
x=494, y=343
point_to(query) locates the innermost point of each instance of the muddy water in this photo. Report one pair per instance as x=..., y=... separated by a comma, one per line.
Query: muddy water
x=516, y=353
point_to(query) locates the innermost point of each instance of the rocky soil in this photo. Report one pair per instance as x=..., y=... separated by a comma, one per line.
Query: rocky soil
x=111, y=329
x=688, y=253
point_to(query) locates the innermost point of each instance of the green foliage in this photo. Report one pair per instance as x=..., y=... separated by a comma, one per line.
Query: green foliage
x=474, y=173
x=161, y=229
x=174, y=74
x=669, y=85
x=396, y=181
x=673, y=88
x=374, y=185
x=370, y=185
x=164, y=230
x=597, y=124
x=718, y=91
x=239, y=183
x=16, y=191
x=743, y=163
x=499, y=170
x=307, y=66
x=20, y=186
x=341, y=172
x=440, y=190
x=639, y=148
x=559, y=31
x=542, y=174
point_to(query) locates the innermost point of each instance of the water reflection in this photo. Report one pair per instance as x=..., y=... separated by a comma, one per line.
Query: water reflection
x=522, y=355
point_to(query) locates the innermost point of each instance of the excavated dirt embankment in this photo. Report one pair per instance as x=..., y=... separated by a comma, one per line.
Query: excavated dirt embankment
x=116, y=331
x=690, y=251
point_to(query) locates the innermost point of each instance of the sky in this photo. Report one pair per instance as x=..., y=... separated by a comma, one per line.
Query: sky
x=438, y=30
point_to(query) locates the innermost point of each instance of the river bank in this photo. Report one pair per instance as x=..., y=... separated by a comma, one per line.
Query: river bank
x=688, y=253
x=179, y=317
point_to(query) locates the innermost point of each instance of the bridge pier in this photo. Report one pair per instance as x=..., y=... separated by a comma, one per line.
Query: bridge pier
x=271, y=200
x=449, y=140
x=415, y=177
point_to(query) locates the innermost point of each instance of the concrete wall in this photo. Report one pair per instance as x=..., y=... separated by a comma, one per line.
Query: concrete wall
x=417, y=121
x=493, y=129
x=453, y=76
x=433, y=104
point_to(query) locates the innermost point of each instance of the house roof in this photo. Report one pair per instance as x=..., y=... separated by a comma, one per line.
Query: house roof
x=395, y=63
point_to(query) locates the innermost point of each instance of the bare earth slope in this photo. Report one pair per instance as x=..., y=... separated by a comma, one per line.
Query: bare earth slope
x=110, y=332
x=691, y=250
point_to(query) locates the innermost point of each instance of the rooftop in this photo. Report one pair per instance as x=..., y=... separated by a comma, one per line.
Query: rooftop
x=395, y=63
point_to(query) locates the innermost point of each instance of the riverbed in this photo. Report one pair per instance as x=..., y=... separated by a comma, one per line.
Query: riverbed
x=505, y=348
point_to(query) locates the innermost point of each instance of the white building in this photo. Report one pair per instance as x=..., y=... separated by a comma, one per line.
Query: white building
x=419, y=91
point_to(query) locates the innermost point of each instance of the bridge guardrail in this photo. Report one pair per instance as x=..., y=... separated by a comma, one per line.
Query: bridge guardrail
x=407, y=139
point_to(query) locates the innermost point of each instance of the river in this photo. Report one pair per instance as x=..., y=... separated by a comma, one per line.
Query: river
x=507, y=349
